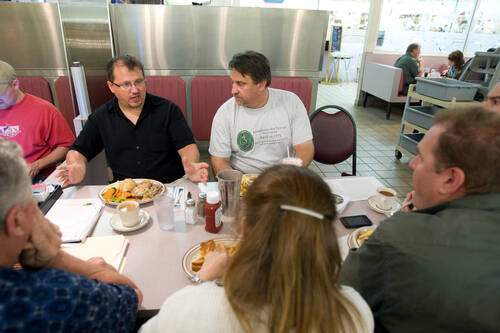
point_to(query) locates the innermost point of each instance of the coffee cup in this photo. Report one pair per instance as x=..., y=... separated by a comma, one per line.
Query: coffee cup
x=386, y=198
x=292, y=161
x=129, y=213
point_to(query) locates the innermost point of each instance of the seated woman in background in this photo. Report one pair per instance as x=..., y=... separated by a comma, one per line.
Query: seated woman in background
x=284, y=274
x=456, y=62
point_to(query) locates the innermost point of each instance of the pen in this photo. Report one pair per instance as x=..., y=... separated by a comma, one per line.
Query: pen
x=389, y=214
x=409, y=203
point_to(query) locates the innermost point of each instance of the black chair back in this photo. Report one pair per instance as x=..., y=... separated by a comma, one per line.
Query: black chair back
x=334, y=136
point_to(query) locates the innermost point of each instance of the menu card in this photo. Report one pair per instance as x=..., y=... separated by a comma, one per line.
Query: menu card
x=355, y=188
x=111, y=248
x=75, y=217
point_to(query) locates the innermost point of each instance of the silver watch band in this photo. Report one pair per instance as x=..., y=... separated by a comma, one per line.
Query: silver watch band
x=196, y=279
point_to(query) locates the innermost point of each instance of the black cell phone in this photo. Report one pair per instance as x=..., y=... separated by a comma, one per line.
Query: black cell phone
x=355, y=221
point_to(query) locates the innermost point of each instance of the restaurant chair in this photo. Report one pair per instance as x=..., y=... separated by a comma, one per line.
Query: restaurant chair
x=334, y=136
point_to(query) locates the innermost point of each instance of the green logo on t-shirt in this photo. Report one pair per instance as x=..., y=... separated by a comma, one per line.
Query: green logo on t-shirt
x=245, y=141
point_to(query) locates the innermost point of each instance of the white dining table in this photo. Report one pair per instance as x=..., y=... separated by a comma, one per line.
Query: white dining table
x=154, y=257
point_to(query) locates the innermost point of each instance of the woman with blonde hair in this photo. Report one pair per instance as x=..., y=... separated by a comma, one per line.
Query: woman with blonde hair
x=284, y=275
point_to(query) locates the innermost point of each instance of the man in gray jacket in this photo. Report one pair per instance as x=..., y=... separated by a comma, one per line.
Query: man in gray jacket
x=436, y=269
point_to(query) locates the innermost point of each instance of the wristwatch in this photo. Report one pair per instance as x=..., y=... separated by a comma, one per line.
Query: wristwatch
x=196, y=279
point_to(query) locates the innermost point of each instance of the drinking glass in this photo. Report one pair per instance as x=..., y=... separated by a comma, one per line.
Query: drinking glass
x=164, y=206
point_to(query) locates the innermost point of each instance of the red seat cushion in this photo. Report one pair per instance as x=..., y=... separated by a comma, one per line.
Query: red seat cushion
x=300, y=86
x=169, y=87
x=98, y=90
x=36, y=86
x=65, y=101
x=98, y=94
x=400, y=88
x=208, y=93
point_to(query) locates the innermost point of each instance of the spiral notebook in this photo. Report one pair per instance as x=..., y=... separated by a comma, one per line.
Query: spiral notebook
x=75, y=217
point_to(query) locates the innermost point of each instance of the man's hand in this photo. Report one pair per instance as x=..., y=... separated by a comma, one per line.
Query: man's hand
x=71, y=173
x=43, y=245
x=214, y=266
x=409, y=198
x=197, y=172
x=99, y=261
x=34, y=168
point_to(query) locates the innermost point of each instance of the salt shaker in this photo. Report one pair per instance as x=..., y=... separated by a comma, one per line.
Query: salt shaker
x=190, y=212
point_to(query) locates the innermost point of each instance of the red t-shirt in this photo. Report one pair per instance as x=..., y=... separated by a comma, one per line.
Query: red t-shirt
x=37, y=126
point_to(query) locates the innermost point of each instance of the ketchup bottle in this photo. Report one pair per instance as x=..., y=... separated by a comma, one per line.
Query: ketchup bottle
x=213, y=213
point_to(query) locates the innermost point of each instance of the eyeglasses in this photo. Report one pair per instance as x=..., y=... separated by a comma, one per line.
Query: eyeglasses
x=128, y=85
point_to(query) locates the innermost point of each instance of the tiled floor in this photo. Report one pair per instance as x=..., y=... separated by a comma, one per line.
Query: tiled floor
x=377, y=138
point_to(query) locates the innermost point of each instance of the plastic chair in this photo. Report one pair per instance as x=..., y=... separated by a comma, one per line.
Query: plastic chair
x=334, y=136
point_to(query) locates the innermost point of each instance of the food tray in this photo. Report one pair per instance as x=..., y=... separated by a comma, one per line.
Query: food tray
x=421, y=115
x=410, y=142
x=446, y=89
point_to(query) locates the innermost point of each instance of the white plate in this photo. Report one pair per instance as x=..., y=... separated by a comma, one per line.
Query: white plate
x=372, y=202
x=116, y=222
x=352, y=239
x=137, y=180
x=194, y=253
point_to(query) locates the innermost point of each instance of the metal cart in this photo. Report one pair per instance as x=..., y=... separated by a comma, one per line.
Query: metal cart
x=418, y=119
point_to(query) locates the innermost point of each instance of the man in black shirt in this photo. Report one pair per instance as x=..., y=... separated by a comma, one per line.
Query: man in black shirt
x=144, y=136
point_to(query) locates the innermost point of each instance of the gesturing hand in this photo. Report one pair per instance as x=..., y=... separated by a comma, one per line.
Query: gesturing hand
x=70, y=174
x=197, y=172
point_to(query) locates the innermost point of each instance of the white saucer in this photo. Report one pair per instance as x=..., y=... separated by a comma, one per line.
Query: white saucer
x=116, y=222
x=373, y=203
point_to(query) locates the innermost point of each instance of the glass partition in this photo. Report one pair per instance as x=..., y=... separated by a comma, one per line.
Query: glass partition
x=439, y=26
x=293, y=4
x=352, y=16
x=485, y=33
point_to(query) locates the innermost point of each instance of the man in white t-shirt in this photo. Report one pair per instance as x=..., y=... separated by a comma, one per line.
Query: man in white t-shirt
x=254, y=128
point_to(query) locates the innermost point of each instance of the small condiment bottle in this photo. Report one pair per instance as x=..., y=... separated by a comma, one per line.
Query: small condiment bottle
x=190, y=212
x=200, y=205
x=213, y=213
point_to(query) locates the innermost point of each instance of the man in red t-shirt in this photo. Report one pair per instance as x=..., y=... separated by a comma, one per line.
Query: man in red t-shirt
x=35, y=124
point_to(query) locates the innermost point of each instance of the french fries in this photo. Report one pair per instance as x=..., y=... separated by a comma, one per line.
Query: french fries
x=246, y=180
x=209, y=246
x=362, y=236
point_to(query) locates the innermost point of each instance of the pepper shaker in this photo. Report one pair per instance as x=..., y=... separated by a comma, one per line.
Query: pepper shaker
x=200, y=205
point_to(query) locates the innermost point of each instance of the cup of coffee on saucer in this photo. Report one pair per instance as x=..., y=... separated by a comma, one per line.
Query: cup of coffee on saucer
x=386, y=198
x=129, y=213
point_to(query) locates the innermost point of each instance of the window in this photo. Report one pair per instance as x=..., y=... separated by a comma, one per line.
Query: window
x=293, y=4
x=440, y=26
x=485, y=33
x=352, y=16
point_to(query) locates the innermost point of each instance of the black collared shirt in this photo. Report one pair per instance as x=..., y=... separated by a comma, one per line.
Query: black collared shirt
x=145, y=150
